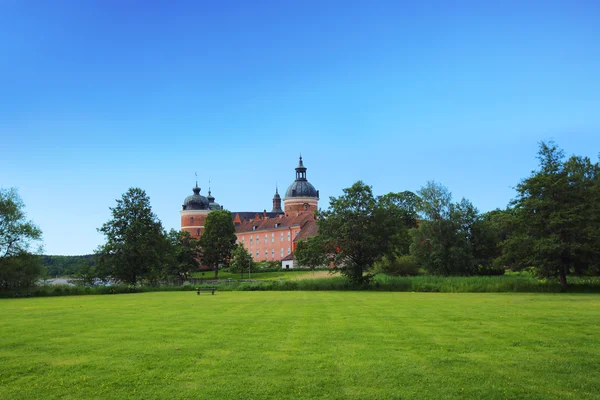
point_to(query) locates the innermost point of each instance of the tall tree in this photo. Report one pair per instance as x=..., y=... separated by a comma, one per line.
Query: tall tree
x=357, y=230
x=556, y=225
x=452, y=238
x=311, y=253
x=242, y=260
x=136, y=243
x=185, y=257
x=19, y=267
x=218, y=239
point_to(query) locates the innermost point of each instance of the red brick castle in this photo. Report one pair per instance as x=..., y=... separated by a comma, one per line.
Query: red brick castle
x=266, y=235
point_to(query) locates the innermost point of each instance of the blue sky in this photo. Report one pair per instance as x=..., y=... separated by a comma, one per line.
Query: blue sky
x=97, y=97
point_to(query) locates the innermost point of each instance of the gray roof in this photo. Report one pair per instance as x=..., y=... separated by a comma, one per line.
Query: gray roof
x=196, y=201
x=301, y=188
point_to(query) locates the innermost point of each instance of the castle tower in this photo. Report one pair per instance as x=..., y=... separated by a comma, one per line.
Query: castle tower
x=195, y=209
x=301, y=196
x=277, y=202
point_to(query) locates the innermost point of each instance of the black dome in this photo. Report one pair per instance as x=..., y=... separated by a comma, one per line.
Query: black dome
x=195, y=201
x=301, y=189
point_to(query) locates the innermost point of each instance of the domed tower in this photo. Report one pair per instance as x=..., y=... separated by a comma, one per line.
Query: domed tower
x=277, y=202
x=211, y=202
x=301, y=196
x=195, y=209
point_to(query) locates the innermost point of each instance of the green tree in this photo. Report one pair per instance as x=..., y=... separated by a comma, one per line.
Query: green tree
x=357, y=230
x=311, y=253
x=241, y=260
x=218, y=239
x=556, y=224
x=185, y=257
x=452, y=238
x=19, y=267
x=136, y=243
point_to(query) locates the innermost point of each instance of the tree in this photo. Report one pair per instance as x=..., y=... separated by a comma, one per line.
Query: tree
x=19, y=267
x=136, y=243
x=452, y=238
x=357, y=230
x=311, y=253
x=241, y=260
x=218, y=239
x=185, y=255
x=556, y=224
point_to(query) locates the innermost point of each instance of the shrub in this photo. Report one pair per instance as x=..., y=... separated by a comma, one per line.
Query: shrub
x=405, y=265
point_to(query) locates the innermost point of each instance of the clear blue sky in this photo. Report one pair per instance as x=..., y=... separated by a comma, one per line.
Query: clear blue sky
x=97, y=97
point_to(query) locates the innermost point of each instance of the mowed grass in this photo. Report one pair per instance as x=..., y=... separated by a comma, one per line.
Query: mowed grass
x=262, y=275
x=288, y=345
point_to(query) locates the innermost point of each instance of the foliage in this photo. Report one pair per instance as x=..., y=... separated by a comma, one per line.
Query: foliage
x=311, y=253
x=358, y=229
x=241, y=261
x=67, y=265
x=397, y=265
x=185, y=255
x=453, y=238
x=556, y=219
x=18, y=266
x=218, y=239
x=136, y=245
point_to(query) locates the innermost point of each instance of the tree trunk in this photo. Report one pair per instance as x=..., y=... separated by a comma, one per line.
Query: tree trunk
x=563, y=278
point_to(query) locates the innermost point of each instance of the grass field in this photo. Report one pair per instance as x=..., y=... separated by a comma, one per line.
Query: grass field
x=284, y=345
x=262, y=275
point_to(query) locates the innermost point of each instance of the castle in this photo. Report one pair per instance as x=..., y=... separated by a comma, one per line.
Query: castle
x=268, y=236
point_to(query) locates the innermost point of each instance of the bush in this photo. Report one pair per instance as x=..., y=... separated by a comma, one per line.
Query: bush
x=405, y=265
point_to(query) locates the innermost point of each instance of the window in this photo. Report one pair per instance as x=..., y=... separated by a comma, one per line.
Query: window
x=266, y=253
x=250, y=239
x=281, y=252
x=266, y=238
x=272, y=237
x=289, y=236
x=272, y=253
x=242, y=240
x=191, y=220
x=257, y=239
x=256, y=253
x=281, y=237
x=289, y=250
x=296, y=234
x=198, y=232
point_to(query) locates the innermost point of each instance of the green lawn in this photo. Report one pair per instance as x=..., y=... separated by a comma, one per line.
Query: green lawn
x=286, y=345
x=253, y=275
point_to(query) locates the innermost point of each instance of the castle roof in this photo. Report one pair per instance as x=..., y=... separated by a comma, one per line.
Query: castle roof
x=301, y=187
x=273, y=223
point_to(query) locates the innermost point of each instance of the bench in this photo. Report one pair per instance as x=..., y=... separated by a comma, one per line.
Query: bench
x=208, y=289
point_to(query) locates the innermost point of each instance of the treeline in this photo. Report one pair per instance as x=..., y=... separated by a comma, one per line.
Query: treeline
x=551, y=228
x=67, y=265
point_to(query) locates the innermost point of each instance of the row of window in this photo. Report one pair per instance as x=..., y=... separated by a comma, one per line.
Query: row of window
x=289, y=250
x=267, y=238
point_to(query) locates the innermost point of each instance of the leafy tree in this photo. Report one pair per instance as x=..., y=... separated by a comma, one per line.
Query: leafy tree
x=185, y=255
x=241, y=260
x=357, y=230
x=19, y=267
x=556, y=224
x=452, y=238
x=136, y=244
x=218, y=239
x=86, y=273
x=311, y=253
x=401, y=210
